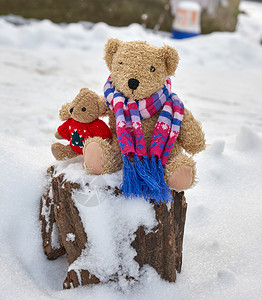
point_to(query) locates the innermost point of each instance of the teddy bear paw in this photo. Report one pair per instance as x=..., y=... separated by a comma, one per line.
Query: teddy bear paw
x=62, y=152
x=93, y=159
x=181, y=179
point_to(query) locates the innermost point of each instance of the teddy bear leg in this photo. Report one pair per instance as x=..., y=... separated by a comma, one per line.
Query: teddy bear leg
x=101, y=156
x=180, y=172
x=62, y=152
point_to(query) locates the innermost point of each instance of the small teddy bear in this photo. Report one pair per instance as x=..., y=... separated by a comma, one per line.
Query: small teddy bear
x=81, y=123
x=152, y=131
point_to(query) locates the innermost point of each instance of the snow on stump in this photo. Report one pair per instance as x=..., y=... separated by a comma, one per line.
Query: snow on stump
x=105, y=236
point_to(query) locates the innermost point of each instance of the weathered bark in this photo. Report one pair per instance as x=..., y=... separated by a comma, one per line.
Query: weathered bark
x=47, y=218
x=66, y=216
x=161, y=248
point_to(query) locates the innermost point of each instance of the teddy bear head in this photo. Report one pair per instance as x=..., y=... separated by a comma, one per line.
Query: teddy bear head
x=138, y=70
x=84, y=108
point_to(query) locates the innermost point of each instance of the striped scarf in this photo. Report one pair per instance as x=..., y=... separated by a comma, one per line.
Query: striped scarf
x=145, y=177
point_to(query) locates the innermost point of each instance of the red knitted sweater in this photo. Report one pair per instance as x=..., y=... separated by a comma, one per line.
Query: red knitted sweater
x=77, y=132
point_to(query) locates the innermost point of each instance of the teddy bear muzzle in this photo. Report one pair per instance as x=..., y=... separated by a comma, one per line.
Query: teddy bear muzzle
x=133, y=83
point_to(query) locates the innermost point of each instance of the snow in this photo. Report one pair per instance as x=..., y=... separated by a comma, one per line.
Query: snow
x=70, y=237
x=110, y=227
x=42, y=66
x=55, y=242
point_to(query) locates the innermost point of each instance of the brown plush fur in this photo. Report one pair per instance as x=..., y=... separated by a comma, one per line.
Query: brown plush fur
x=94, y=108
x=62, y=152
x=191, y=136
x=128, y=60
x=64, y=113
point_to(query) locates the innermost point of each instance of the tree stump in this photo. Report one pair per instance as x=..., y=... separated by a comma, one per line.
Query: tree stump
x=160, y=248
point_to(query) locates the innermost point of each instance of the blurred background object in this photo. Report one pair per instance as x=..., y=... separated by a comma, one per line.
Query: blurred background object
x=220, y=17
x=187, y=20
x=217, y=15
x=112, y=12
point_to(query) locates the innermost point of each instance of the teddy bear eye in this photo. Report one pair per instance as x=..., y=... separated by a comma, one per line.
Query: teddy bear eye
x=152, y=69
x=120, y=62
x=83, y=109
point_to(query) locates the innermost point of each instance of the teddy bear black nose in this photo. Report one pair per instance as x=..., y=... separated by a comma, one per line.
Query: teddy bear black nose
x=133, y=83
x=71, y=110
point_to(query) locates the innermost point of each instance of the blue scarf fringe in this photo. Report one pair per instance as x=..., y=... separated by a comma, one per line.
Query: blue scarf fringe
x=145, y=178
x=163, y=193
x=166, y=192
x=144, y=175
x=131, y=186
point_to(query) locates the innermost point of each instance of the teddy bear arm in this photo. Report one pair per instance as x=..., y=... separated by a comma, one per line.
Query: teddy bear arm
x=62, y=152
x=63, y=130
x=191, y=136
x=58, y=136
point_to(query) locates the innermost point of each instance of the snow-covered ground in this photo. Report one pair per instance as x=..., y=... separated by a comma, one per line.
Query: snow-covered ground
x=43, y=65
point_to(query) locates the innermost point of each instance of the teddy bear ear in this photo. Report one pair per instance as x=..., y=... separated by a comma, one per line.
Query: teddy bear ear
x=171, y=59
x=64, y=112
x=110, y=49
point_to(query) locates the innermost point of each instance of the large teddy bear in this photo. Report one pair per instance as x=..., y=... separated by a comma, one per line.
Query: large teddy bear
x=149, y=123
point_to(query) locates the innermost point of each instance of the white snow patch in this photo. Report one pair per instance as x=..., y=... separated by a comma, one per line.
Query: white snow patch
x=247, y=139
x=216, y=148
x=55, y=242
x=78, y=274
x=70, y=237
x=46, y=213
